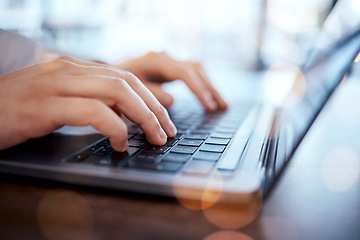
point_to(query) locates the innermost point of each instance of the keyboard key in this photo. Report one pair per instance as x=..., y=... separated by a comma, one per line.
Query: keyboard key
x=208, y=156
x=156, y=149
x=95, y=148
x=216, y=116
x=176, y=157
x=212, y=148
x=120, y=157
x=141, y=165
x=225, y=130
x=207, y=126
x=201, y=130
x=138, y=143
x=133, y=129
x=147, y=158
x=179, y=136
x=105, y=142
x=130, y=135
x=211, y=121
x=171, y=142
x=229, y=124
x=183, y=149
x=201, y=168
x=218, y=141
x=140, y=137
x=221, y=135
x=168, y=167
x=103, y=150
x=162, y=166
x=190, y=142
x=113, y=159
x=182, y=131
x=184, y=125
x=79, y=157
x=197, y=136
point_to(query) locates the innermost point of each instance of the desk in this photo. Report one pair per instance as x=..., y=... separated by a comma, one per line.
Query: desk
x=317, y=197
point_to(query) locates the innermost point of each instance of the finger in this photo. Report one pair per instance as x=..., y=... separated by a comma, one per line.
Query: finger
x=172, y=70
x=137, y=86
x=117, y=92
x=206, y=80
x=163, y=97
x=116, y=109
x=76, y=111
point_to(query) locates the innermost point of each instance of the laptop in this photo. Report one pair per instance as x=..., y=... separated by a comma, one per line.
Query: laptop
x=228, y=156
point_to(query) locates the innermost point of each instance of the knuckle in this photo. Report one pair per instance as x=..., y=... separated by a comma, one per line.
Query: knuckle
x=184, y=73
x=152, y=54
x=197, y=65
x=118, y=84
x=161, y=112
x=117, y=88
x=155, y=55
x=163, y=53
x=131, y=78
x=150, y=117
x=65, y=59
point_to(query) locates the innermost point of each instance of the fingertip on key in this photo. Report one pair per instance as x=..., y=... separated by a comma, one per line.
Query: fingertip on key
x=172, y=130
x=163, y=137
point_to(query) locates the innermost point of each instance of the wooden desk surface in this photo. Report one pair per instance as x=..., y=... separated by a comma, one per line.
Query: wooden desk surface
x=317, y=197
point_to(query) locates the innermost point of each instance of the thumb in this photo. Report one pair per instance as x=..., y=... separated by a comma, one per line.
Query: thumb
x=163, y=97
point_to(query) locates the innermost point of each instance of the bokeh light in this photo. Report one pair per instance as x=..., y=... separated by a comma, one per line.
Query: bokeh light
x=214, y=31
x=223, y=206
x=284, y=84
x=234, y=212
x=289, y=15
x=64, y=214
x=200, y=196
x=340, y=169
x=357, y=59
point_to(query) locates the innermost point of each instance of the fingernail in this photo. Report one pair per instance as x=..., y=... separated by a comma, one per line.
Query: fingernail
x=167, y=100
x=172, y=129
x=210, y=102
x=213, y=105
x=162, y=135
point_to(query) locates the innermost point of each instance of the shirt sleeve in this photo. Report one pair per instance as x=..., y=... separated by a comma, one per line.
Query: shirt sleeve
x=18, y=52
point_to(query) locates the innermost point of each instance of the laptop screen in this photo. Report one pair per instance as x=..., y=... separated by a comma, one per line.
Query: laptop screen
x=333, y=54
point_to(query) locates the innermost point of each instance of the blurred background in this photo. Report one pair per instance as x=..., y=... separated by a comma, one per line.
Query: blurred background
x=245, y=34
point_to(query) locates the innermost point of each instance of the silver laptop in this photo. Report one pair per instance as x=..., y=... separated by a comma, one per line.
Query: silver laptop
x=232, y=155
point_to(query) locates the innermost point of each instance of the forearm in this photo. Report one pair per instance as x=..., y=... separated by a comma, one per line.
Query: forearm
x=17, y=52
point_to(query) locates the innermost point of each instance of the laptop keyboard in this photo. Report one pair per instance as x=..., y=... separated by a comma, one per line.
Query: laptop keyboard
x=197, y=148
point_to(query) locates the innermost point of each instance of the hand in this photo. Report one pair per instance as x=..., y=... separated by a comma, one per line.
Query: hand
x=155, y=68
x=39, y=99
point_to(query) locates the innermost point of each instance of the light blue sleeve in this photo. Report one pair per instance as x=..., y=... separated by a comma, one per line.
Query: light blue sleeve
x=17, y=52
